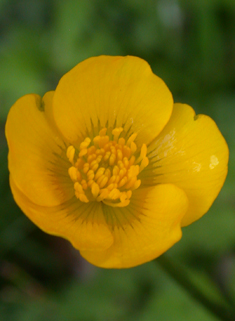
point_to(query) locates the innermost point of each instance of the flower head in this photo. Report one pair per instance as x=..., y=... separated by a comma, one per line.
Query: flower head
x=110, y=163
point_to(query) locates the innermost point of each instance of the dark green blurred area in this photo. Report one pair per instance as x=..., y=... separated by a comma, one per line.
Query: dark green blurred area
x=191, y=45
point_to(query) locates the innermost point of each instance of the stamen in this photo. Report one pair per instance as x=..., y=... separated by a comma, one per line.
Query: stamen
x=85, y=143
x=121, y=141
x=73, y=173
x=70, y=153
x=103, y=132
x=131, y=139
x=116, y=132
x=95, y=190
x=144, y=163
x=133, y=147
x=83, y=152
x=108, y=170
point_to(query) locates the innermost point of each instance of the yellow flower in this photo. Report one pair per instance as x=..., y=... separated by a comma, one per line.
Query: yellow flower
x=110, y=163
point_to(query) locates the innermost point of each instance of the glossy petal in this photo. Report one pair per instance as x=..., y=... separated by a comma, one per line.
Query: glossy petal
x=82, y=224
x=191, y=153
x=148, y=227
x=112, y=92
x=35, y=149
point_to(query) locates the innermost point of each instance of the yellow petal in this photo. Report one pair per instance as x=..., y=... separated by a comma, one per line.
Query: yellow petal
x=112, y=92
x=191, y=153
x=82, y=224
x=35, y=149
x=147, y=227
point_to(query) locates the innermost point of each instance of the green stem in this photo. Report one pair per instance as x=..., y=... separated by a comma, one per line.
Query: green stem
x=182, y=277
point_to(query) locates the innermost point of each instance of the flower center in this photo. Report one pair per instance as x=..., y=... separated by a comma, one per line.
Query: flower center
x=106, y=170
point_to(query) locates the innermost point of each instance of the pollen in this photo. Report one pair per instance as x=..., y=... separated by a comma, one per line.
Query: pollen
x=106, y=168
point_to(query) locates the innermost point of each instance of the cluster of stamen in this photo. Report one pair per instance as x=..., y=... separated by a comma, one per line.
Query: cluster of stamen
x=106, y=170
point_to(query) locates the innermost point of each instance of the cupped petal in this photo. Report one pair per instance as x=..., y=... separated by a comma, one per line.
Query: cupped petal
x=191, y=153
x=144, y=229
x=80, y=223
x=112, y=92
x=35, y=151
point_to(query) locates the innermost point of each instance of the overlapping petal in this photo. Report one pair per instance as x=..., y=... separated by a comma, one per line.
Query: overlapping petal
x=191, y=153
x=112, y=92
x=82, y=224
x=149, y=226
x=36, y=146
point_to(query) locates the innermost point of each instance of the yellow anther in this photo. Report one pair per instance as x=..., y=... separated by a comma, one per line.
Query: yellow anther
x=144, y=163
x=125, y=162
x=84, y=184
x=103, y=141
x=112, y=159
x=96, y=140
x=132, y=160
x=112, y=179
x=136, y=170
x=103, y=131
x=104, y=181
x=133, y=171
x=91, y=150
x=93, y=162
x=83, y=198
x=111, y=186
x=85, y=143
x=122, y=172
x=143, y=151
x=103, y=194
x=73, y=173
x=121, y=141
x=131, y=139
x=120, y=164
x=83, y=152
x=79, y=176
x=99, y=159
x=123, y=197
x=122, y=182
x=100, y=151
x=116, y=132
x=119, y=154
x=131, y=182
x=78, y=187
x=129, y=194
x=70, y=154
x=114, y=194
x=116, y=170
x=95, y=189
x=90, y=182
x=107, y=173
x=126, y=151
x=90, y=174
x=113, y=150
x=133, y=147
x=99, y=173
x=91, y=157
x=137, y=184
x=95, y=167
x=86, y=167
x=106, y=156
x=79, y=163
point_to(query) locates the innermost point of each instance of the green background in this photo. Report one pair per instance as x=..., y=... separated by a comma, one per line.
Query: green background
x=191, y=45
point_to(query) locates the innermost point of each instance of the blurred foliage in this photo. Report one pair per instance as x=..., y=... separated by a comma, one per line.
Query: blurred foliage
x=190, y=44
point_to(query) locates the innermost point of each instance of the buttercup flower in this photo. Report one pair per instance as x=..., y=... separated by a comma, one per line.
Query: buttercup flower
x=110, y=163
